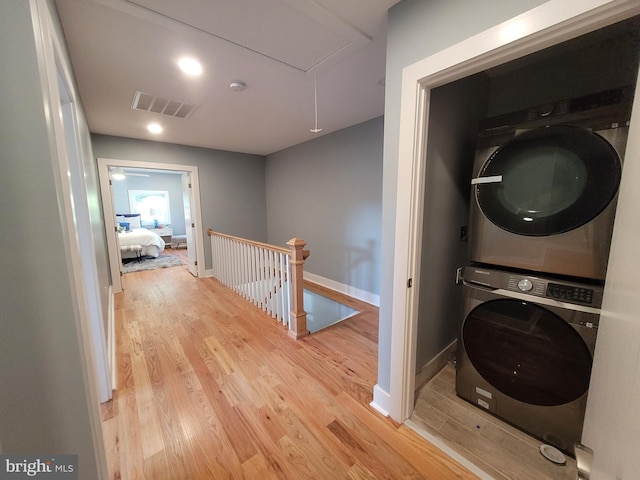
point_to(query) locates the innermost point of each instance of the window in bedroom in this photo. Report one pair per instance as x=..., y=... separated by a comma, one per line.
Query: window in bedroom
x=151, y=205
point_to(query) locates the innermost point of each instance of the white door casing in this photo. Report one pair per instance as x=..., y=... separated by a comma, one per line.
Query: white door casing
x=62, y=105
x=189, y=225
x=109, y=213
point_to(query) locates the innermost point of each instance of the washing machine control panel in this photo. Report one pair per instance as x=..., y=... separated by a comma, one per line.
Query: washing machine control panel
x=557, y=291
x=532, y=286
x=570, y=293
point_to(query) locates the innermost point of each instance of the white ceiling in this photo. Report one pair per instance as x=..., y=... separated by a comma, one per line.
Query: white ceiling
x=275, y=47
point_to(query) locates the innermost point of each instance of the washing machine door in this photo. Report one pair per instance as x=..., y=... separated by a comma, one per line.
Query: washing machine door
x=527, y=352
x=548, y=180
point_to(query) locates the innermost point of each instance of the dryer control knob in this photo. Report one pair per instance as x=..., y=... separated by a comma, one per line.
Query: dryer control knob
x=525, y=285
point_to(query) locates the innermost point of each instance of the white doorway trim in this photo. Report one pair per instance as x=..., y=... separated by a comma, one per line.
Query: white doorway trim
x=63, y=113
x=549, y=24
x=109, y=213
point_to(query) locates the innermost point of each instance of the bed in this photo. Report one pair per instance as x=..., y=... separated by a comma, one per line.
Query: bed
x=131, y=233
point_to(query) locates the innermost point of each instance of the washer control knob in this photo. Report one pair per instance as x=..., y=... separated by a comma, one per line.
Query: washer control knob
x=525, y=285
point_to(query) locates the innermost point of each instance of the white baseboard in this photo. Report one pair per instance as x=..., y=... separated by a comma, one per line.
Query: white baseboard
x=208, y=273
x=436, y=364
x=111, y=339
x=367, y=297
x=381, y=400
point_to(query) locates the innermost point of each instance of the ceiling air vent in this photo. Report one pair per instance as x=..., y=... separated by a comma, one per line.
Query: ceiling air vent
x=150, y=103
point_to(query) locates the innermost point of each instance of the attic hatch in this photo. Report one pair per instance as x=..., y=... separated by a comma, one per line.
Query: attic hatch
x=151, y=103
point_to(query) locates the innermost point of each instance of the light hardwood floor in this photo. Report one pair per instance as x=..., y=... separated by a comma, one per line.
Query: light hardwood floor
x=209, y=387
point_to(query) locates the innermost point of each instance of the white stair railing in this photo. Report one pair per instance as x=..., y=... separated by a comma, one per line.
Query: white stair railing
x=266, y=275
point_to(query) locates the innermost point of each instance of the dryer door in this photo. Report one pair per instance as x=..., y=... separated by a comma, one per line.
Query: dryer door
x=527, y=352
x=548, y=181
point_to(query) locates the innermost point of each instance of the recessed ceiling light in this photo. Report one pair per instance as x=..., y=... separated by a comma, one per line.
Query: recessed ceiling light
x=190, y=66
x=154, y=128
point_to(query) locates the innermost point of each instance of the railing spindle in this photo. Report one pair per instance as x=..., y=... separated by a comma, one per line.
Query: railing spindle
x=268, y=276
x=261, y=279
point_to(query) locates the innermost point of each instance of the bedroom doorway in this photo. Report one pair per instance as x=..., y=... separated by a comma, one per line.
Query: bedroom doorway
x=190, y=208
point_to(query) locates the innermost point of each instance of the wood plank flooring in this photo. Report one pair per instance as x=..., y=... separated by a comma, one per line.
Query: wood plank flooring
x=209, y=387
x=499, y=449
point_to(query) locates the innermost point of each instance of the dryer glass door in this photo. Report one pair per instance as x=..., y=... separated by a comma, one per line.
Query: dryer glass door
x=549, y=180
x=527, y=352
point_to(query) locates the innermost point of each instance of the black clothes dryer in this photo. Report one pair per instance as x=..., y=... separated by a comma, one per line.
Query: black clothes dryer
x=545, y=185
x=525, y=350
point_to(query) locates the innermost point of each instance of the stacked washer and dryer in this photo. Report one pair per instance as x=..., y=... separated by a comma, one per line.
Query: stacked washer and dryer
x=542, y=211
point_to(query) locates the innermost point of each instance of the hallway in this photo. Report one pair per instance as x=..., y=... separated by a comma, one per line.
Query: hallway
x=209, y=387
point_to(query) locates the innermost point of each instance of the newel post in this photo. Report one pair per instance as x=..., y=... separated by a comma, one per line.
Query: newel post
x=297, y=315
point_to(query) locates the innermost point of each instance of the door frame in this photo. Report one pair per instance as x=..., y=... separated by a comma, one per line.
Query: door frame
x=549, y=24
x=186, y=182
x=109, y=212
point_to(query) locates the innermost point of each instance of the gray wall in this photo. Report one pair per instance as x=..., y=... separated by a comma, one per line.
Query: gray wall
x=328, y=191
x=455, y=110
x=43, y=406
x=416, y=30
x=169, y=182
x=232, y=185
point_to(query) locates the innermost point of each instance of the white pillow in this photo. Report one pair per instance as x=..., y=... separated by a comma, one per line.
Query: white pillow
x=133, y=219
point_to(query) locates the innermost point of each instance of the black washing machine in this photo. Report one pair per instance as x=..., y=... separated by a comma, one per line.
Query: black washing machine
x=545, y=185
x=525, y=350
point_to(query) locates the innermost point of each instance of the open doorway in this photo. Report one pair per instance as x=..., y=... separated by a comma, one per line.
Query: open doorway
x=183, y=219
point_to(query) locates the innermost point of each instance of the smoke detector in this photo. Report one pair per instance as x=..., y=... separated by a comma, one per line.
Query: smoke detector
x=237, y=86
